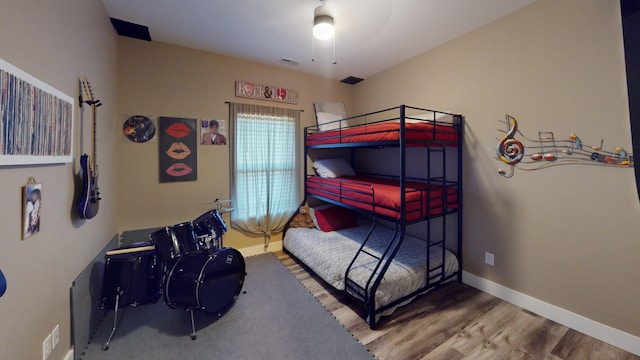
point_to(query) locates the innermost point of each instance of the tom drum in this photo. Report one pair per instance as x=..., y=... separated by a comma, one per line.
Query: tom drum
x=209, y=228
x=173, y=241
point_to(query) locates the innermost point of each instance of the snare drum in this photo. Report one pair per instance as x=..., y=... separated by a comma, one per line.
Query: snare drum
x=132, y=273
x=204, y=280
x=173, y=241
x=209, y=228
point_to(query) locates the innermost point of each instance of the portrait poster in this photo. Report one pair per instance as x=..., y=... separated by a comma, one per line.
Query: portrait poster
x=213, y=132
x=178, y=149
x=139, y=129
x=31, y=209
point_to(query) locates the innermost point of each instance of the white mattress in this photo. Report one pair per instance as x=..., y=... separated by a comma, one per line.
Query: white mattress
x=329, y=254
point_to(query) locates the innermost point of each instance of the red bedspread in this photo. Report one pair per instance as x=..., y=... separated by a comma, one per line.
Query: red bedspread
x=385, y=131
x=382, y=196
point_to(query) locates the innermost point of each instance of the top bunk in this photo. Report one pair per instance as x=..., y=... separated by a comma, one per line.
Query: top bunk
x=398, y=126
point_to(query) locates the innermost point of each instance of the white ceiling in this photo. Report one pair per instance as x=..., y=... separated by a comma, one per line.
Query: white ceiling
x=371, y=35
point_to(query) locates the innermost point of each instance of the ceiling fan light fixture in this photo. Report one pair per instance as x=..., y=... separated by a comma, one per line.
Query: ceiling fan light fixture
x=322, y=24
x=323, y=27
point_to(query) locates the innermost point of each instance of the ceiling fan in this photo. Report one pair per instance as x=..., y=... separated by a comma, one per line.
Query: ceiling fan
x=323, y=29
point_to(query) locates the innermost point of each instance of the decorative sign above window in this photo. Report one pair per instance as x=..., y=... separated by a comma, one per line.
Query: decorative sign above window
x=36, y=120
x=266, y=92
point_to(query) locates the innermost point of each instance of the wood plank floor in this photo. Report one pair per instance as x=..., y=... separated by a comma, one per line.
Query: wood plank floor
x=457, y=322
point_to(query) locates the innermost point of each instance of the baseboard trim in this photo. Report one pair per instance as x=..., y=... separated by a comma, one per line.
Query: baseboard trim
x=567, y=318
x=259, y=249
x=69, y=355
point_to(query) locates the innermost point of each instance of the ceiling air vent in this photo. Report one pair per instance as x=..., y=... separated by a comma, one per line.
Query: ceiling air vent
x=289, y=62
x=351, y=80
x=129, y=29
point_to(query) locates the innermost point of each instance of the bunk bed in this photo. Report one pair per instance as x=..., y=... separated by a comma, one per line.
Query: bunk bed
x=375, y=259
x=415, y=132
x=382, y=196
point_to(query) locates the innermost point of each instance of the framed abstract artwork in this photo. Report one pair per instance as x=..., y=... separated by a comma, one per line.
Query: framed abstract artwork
x=36, y=120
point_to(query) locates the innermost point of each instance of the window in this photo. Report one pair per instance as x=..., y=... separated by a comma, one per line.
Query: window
x=264, y=176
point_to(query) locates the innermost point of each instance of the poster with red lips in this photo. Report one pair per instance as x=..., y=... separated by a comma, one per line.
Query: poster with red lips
x=178, y=149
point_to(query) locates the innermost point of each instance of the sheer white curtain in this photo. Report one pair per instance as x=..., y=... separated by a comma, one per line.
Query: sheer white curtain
x=264, y=167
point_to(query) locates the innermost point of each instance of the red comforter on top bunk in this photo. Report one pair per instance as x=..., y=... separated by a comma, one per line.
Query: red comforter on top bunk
x=382, y=196
x=385, y=131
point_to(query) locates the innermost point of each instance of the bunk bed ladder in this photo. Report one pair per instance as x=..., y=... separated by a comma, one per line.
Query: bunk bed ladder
x=352, y=287
x=375, y=264
x=435, y=273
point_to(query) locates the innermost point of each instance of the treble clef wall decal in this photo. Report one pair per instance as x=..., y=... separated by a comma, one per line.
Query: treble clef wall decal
x=509, y=150
x=546, y=151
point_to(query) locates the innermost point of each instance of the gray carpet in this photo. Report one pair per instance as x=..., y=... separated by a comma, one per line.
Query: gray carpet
x=277, y=318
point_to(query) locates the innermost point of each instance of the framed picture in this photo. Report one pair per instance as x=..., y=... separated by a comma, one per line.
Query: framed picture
x=36, y=120
x=178, y=149
x=31, y=209
x=213, y=132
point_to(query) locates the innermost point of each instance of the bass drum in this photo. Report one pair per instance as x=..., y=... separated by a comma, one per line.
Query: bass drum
x=207, y=281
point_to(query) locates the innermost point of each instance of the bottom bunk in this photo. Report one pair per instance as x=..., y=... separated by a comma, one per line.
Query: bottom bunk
x=329, y=254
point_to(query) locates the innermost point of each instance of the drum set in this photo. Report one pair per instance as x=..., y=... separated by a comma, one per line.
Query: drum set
x=185, y=263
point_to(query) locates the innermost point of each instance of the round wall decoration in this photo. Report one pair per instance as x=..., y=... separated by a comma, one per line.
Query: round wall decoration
x=138, y=128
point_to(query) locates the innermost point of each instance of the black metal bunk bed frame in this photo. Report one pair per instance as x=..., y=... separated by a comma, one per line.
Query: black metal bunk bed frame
x=365, y=293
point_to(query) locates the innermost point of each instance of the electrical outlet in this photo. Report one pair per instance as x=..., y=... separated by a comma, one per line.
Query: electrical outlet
x=55, y=336
x=489, y=258
x=46, y=348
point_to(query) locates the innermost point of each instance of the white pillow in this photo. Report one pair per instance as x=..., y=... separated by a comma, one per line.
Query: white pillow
x=333, y=168
x=328, y=121
x=336, y=108
x=425, y=116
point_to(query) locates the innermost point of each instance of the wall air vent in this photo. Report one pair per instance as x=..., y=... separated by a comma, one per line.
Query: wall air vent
x=351, y=80
x=289, y=62
x=129, y=29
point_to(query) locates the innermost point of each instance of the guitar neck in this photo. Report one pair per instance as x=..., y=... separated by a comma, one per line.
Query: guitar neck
x=93, y=142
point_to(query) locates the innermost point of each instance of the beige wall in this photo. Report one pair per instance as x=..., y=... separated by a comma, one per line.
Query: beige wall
x=158, y=79
x=565, y=235
x=57, y=42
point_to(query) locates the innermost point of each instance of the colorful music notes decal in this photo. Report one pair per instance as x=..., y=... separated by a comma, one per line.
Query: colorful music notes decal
x=545, y=151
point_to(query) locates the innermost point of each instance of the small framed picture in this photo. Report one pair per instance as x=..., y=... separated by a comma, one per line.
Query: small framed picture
x=213, y=132
x=31, y=209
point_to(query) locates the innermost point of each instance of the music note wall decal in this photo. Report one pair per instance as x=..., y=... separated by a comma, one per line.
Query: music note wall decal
x=545, y=151
x=509, y=149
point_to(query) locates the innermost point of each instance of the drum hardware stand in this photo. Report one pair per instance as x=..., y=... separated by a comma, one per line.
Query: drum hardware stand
x=220, y=205
x=193, y=326
x=119, y=292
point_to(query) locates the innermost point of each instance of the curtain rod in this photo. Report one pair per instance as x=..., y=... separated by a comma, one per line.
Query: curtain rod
x=229, y=102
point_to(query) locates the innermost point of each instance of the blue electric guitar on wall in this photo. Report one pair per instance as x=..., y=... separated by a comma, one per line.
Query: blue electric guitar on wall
x=90, y=200
x=3, y=284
